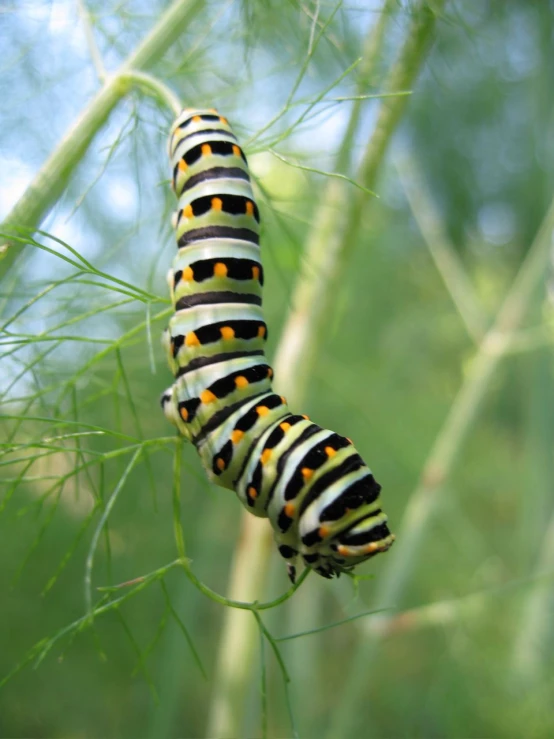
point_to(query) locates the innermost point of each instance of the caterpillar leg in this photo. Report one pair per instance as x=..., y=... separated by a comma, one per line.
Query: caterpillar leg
x=169, y=407
x=168, y=347
x=166, y=340
x=290, y=555
x=171, y=282
x=291, y=572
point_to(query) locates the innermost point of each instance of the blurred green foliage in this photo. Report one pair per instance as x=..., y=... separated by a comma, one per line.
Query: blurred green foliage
x=478, y=128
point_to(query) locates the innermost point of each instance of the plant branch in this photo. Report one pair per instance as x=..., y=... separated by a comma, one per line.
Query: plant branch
x=94, y=51
x=153, y=86
x=529, y=659
x=51, y=179
x=443, y=613
x=442, y=458
x=442, y=250
x=338, y=220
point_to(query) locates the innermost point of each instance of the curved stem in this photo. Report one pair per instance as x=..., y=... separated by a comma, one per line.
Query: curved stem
x=153, y=86
x=51, y=179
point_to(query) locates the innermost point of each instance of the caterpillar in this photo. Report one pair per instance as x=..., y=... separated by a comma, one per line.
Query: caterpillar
x=320, y=497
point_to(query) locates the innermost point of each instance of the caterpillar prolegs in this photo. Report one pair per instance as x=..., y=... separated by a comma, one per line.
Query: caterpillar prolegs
x=321, y=499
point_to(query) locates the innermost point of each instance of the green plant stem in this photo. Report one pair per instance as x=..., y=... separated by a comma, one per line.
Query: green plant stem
x=441, y=249
x=153, y=86
x=94, y=51
x=367, y=72
x=327, y=247
x=51, y=179
x=337, y=221
x=440, y=463
x=443, y=613
x=239, y=635
x=529, y=657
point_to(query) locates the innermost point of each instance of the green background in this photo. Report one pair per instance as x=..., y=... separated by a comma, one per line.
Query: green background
x=467, y=651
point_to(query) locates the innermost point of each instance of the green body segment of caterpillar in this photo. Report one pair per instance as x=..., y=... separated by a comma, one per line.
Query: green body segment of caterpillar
x=320, y=497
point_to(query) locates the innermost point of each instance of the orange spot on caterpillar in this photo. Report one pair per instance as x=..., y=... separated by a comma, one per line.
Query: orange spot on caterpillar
x=206, y=396
x=329, y=451
x=236, y=150
x=241, y=382
x=283, y=399
x=262, y=410
x=249, y=208
x=269, y=372
x=206, y=150
x=255, y=273
x=307, y=473
x=182, y=166
x=284, y=426
x=227, y=332
x=324, y=531
x=220, y=463
x=305, y=417
x=188, y=212
x=236, y=436
x=252, y=492
x=217, y=203
x=188, y=274
x=345, y=551
x=261, y=332
x=220, y=269
x=289, y=510
x=224, y=120
x=192, y=339
x=196, y=119
x=184, y=414
x=373, y=547
x=265, y=455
